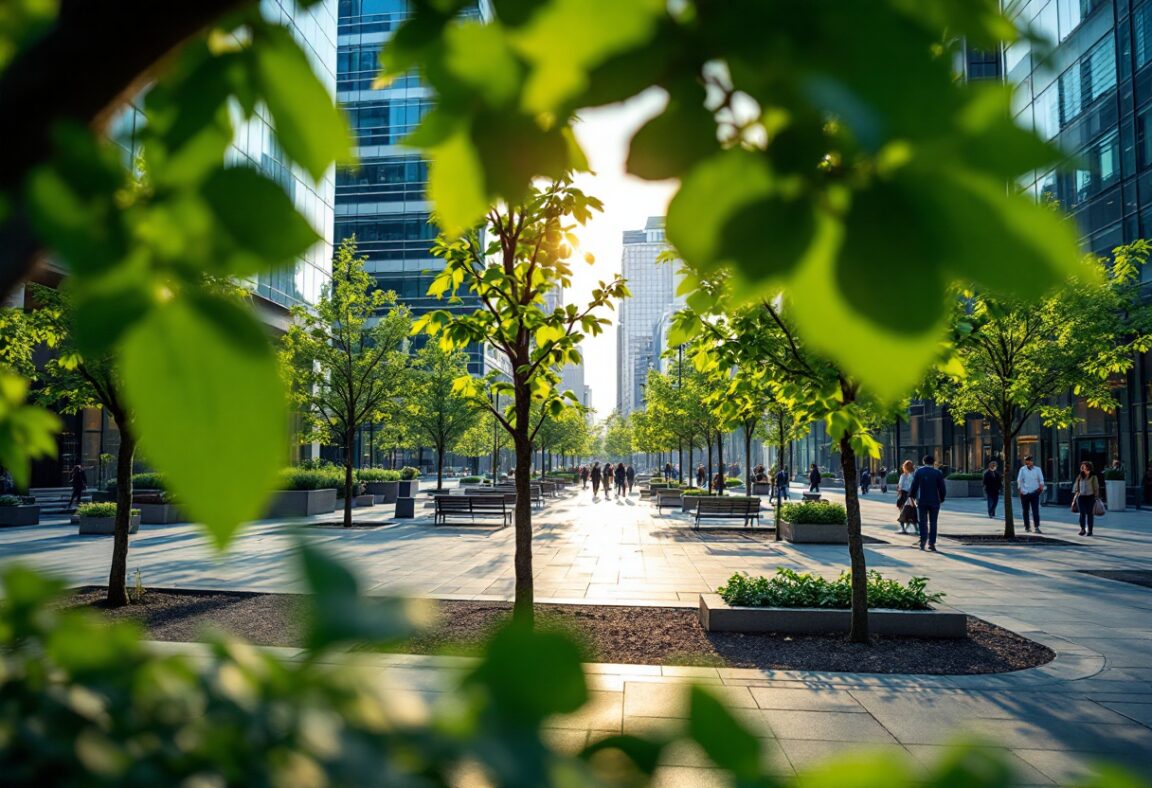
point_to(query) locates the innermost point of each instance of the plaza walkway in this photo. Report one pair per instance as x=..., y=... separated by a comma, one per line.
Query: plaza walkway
x=1094, y=701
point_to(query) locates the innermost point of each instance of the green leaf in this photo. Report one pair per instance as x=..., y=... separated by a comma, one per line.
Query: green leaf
x=642, y=752
x=475, y=61
x=532, y=674
x=728, y=743
x=209, y=409
x=767, y=237
x=27, y=432
x=107, y=306
x=312, y=130
x=709, y=196
x=456, y=184
x=515, y=149
x=676, y=139
x=258, y=215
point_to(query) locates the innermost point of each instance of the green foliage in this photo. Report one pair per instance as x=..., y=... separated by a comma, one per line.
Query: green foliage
x=314, y=479
x=788, y=588
x=377, y=475
x=408, y=473
x=27, y=432
x=148, y=481
x=617, y=437
x=789, y=138
x=1113, y=475
x=962, y=477
x=11, y=500
x=818, y=512
x=471, y=479
x=100, y=510
x=436, y=412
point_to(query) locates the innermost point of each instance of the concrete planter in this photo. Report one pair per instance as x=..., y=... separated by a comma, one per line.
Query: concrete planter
x=688, y=502
x=762, y=488
x=716, y=615
x=1115, y=495
x=408, y=488
x=383, y=492
x=364, y=500
x=159, y=513
x=28, y=514
x=813, y=533
x=405, y=508
x=106, y=526
x=302, y=503
x=956, y=488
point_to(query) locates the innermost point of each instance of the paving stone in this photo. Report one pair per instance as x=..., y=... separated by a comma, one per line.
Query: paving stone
x=832, y=726
x=805, y=700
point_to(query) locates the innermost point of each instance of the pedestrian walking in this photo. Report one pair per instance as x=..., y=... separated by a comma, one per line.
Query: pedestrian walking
x=904, y=504
x=621, y=479
x=1085, y=494
x=883, y=479
x=929, y=493
x=584, y=477
x=1029, y=485
x=865, y=481
x=993, y=486
x=595, y=474
x=781, y=485
x=718, y=482
x=668, y=471
x=701, y=475
x=630, y=474
x=813, y=478
x=79, y=485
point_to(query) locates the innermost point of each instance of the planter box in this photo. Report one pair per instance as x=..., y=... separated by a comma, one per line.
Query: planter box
x=103, y=496
x=106, y=526
x=19, y=515
x=688, y=502
x=956, y=488
x=1116, y=494
x=813, y=533
x=364, y=500
x=406, y=508
x=383, y=492
x=159, y=513
x=976, y=489
x=763, y=489
x=408, y=488
x=716, y=615
x=302, y=503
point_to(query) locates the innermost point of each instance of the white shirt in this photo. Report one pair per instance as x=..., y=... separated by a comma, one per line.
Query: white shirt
x=1029, y=480
x=905, y=483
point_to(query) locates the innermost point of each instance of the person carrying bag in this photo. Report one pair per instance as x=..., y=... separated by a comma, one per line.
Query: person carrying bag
x=1086, y=498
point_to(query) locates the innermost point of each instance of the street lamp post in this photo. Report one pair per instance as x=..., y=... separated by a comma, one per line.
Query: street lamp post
x=679, y=438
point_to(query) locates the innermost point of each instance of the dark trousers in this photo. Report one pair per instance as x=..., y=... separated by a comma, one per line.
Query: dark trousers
x=1030, y=503
x=929, y=514
x=1086, y=505
x=77, y=496
x=993, y=498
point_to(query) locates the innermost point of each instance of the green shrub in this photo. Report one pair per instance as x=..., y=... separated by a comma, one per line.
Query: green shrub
x=100, y=510
x=10, y=500
x=408, y=473
x=1113, y=475
x=789, y=588
x=147, y=481
x=814, y=512
x=310, y=479
x=377, y=475
x=472, y=480
x=965, y=477
x=893, y=477
x=733, y=483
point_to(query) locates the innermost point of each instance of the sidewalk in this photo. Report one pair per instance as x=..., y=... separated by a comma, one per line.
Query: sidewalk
x=1094, y=701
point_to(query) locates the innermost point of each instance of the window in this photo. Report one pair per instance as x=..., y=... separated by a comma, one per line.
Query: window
x=386, y=122
x=1097, y=167
x=1046, y=113
x=1144, y=138
x=1142, y=32
x=388, y=180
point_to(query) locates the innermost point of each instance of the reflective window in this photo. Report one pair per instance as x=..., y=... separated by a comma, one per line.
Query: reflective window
x=1096, y=168
x=1142, y=32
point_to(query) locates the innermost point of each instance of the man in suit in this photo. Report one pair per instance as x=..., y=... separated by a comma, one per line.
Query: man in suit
x=928, y=491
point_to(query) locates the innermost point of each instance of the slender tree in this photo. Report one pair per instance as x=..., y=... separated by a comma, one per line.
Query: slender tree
x=344, y=360
x=525, y=258
x=437, y=412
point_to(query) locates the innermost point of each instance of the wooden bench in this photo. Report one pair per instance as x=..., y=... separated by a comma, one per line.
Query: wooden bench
x=508, y=497
x=666, y=498
x=746, y=509
x=473, y=506
x=535, y=491
x=811, y=496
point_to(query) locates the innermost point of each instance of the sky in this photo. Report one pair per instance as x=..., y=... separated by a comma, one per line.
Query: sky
x=628, y=202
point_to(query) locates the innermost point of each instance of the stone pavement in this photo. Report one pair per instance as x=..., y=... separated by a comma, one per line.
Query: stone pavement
x=1094, y=701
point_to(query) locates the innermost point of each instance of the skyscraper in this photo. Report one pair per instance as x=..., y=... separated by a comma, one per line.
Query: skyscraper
x=653, y=288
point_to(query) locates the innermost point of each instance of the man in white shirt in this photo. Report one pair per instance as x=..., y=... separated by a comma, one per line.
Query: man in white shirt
x=1030, y=483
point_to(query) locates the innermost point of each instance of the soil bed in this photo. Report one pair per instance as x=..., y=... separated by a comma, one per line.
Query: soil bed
x=618, y=634
x=1137, y=577
x=998, y=539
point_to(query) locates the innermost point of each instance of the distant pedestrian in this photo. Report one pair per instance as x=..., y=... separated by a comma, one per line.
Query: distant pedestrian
x=759, y=474
x=630, y=474
x=1085, y=493
x=584, y=474
x=595, y=474
x=701, y=476
x=993, y=486
x=621, y=479
x=79, y=485
x=865, y=481
x=667, y=471
x=718, y=482
x=781, y=485
x=929, y=493
x=814, y=478
x=883, y=479
x=1029, y=485
x=904, y=503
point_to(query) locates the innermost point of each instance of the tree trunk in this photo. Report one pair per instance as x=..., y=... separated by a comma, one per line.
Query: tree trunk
x=787, y=479
x=720, y=461
x=747, y=460
x=1009, y=467
x=708, y=480
x=118, y=576
x=440, y=466
x=859, y=631
x=522, y=611
x=348, y=440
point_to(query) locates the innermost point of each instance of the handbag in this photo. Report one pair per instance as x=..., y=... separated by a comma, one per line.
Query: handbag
x=1076, y=502
x=908, y=514
x=1099, y=510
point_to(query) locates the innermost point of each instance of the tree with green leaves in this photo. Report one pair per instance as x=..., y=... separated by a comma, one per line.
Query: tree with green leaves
x=564, y=434
x=677, y=402
x=525, y=258
x=486, y=437
x=1017, y=359
x=436, y=411
x=345, y=361
x=617, y=437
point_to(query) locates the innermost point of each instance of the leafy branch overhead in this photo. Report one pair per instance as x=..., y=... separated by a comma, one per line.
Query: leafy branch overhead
x=797, y=150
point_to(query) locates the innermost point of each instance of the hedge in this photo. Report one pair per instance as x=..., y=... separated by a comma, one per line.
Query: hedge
x=789, y=588
x=814, y=512
x=100, y=510
x=377, y=475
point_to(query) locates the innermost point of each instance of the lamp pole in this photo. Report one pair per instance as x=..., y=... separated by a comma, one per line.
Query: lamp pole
x=680, y=438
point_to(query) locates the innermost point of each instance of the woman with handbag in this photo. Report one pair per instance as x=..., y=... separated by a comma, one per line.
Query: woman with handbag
x=904, y=504
x=1085, y=495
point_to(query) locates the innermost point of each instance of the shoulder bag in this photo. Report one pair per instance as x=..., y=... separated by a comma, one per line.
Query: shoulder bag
x=1099, y=510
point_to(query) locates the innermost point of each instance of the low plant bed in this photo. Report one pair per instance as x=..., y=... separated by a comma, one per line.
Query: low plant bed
x=1137, y=577
x=716, y=615
x=609, y=633
x=14, y=512
x=302, y=503
x=1021, y=539
x=100, y=519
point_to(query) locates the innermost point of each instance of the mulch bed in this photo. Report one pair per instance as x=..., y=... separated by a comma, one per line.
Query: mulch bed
x=355, y=524
x=619, y=634
x=998, y=539
x=1137, y=577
